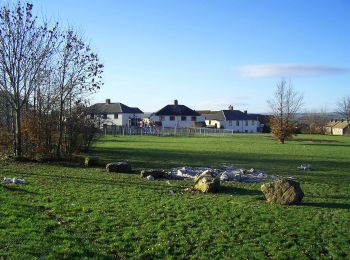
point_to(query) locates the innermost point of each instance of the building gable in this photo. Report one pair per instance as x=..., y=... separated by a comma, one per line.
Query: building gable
x=176, y=110
x=114, y=108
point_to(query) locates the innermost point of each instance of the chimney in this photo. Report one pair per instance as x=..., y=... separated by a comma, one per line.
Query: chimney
x=230, y=107
x=245, y=111
x=176, y=102
x=108, y=101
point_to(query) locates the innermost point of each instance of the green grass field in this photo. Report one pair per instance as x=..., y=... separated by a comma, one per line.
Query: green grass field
x=68, y=211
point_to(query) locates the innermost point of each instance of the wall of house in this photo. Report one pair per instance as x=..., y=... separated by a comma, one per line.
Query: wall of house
x=337, y=131
x=213, y=123
x=244, y=126
x=178, y=122
x=328, y=130
x=122, y=120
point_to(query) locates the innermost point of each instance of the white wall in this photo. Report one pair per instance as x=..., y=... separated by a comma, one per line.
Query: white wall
x=337, y=131
x=166, y=122
x=122, y=120
x=249, y=126
x=213, y=123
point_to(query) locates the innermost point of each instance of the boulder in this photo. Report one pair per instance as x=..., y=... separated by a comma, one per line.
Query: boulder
x=118, y=167
x=207, y=182
x=150, y=178
x=285, y=192
x=91, y=161
x=157, y=174
x=305, y=167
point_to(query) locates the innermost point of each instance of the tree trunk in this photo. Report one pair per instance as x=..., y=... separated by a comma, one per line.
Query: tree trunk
x=18, y=135
x=60, y=133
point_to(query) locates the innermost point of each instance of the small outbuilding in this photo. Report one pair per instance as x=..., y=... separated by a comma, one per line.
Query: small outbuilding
x=338, y=127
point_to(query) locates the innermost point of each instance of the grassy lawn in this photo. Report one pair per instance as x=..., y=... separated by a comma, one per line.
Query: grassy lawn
x=74, y=212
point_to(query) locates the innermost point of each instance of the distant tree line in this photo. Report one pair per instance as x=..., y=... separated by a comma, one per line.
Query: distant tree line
x=46, y=76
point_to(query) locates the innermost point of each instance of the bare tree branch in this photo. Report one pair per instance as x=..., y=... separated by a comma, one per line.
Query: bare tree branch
x=284, y=106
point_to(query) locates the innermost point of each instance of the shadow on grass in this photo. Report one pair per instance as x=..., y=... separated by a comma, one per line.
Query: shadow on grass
x=165, y=159
x=18, y=189
x=329, y=145
x=238, y=191
x=314, y=140
x=99, y=181
x=328, y=205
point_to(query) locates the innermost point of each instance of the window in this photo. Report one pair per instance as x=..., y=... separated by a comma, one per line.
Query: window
x=183, y=118
x=116, y=116
x=104, y=116
x=92, y=116
x=172, y=118
x=230, y=122
x=161, y=118
x=194, y=118
x=237, y=123
x=246, y=122
x=253, y=122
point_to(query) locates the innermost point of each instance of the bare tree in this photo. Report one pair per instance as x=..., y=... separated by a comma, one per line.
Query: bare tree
x=25, y=49
x=284, y=106
x=343, y=108
x=78, y=73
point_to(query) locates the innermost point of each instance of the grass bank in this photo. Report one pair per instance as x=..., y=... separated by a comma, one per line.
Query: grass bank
x=71, y=212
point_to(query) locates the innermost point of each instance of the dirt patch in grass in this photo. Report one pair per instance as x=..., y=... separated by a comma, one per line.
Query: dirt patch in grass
x=316, y=140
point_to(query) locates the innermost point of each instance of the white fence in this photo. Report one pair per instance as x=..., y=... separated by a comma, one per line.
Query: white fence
x=164, y=131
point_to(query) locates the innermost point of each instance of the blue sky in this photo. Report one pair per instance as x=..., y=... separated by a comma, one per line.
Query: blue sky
x=209, y=54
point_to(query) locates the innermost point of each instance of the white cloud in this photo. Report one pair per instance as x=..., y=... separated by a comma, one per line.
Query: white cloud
x=288, y=70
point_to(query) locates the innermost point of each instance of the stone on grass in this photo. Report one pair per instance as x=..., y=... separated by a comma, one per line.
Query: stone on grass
x=13, y=181
x=207, y=182
x=91, y=161
x=305, y=167
x=157, y=174
x=150, y=178
x=285, y=192
x=118, y=167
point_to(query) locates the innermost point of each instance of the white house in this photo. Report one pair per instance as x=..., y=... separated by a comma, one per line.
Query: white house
x=179, y=116
x=234, y=120
x=115, y=114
